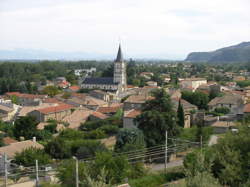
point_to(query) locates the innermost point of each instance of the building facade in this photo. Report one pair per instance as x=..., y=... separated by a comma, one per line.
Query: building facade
x=116, y=83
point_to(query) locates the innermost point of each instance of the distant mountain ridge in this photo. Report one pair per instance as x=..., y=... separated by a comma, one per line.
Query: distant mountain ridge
x=235, y=53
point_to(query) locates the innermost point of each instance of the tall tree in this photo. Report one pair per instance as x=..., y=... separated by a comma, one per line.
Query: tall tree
x=180, y=115
x=157, y=117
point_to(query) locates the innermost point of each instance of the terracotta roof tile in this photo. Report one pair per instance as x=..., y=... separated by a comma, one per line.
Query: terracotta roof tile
x=74, y=88
x=53, y=109
x=18, y=147
x=132, y=113
x=99, y=115
x=247, y=108
x=8, y=140
x=106, y=110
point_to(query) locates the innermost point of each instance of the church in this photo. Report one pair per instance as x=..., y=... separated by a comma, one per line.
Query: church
x=117, y=83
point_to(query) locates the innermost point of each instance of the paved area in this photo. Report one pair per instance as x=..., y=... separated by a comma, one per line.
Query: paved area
x=158, y=167
x=213, y=140
x=25, y=184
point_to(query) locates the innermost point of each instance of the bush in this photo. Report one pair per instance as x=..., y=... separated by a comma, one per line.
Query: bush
x=109, y=129
x=28, y=157
x=222, y=110
x=132, y=138
x=96, y=134
x=71, y=134
x=89, y=148
x=58, y=148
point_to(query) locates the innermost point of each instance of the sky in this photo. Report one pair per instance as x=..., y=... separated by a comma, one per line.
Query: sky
x=167, y=29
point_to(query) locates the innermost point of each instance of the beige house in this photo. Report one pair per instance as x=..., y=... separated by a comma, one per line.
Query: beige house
x=192, y=83
x=188, y=108
x=13, y=148
x=234, y=102
x=54, y=112
x=129, y=118
x=27, y=99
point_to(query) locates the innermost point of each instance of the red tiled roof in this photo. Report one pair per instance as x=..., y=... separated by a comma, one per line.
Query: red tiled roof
x=8, y=140
x=24, y=95
x=133, y=113
x=247, y=108
x=74, y=88
x=99, y=115
x=109, y=109
x=51, y=100
x=53, y=109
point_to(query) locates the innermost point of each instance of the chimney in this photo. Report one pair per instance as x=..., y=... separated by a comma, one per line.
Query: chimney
x=34, y=139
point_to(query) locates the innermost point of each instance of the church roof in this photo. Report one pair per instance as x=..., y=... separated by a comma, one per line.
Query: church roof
x=99, y=80
x=119, y=57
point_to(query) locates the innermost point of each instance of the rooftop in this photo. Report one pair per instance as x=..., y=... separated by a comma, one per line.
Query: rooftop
x=99, y=115
x=18, y=147
x=132, y=113
x=53, y=109
x=100, y=80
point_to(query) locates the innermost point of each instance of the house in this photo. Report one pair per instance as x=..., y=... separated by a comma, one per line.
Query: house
x=188, y=108
x=80, y=72
x=97, y=116
x=99, y=94
x=8, y=140
x=73, y=88
x=146, y=75
x=239, y=78
x=54, y=112
x=151, y=83
x=192, y=83
x=26, y=99
x=135, y=102
x=129, y=118
x=246, y=109
x=8, y=110
x=223, y=126
x=110, y=110
x=79, y=116
x=234, y=102
x=18, y=147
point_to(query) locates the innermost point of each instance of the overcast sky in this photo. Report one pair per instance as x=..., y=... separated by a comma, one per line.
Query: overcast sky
x=147, y=28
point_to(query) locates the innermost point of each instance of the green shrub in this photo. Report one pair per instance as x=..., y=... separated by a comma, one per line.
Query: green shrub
x=222, y=110
x=109, y=129
x=96, y=134
x=28, y=157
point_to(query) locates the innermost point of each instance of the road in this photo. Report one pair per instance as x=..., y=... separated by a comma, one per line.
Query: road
x=158, y=167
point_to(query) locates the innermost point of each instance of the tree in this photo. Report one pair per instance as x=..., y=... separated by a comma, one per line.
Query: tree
x=28, y=157
x=1, y=140
x=129, y=139
x=51, y=91
x=197, y=98
x=180, y=115
x=89, y=148
x=157, y=117
x=117, y=168
x=66, y=172
x=58, y=149
x=222, y=110
x=26, y=127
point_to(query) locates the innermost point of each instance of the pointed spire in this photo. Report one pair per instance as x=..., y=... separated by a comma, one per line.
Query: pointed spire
x=119, y=57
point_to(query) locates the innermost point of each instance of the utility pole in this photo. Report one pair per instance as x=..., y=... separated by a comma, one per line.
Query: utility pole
x=5, y=170
x=37, y=177
x=201, y=142
x=77, y=174
x=166, y=152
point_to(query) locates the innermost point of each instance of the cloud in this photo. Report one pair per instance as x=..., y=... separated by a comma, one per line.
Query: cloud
x=147, y=27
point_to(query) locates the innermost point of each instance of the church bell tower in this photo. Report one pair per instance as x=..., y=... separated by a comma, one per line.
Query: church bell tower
x=120, y=75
